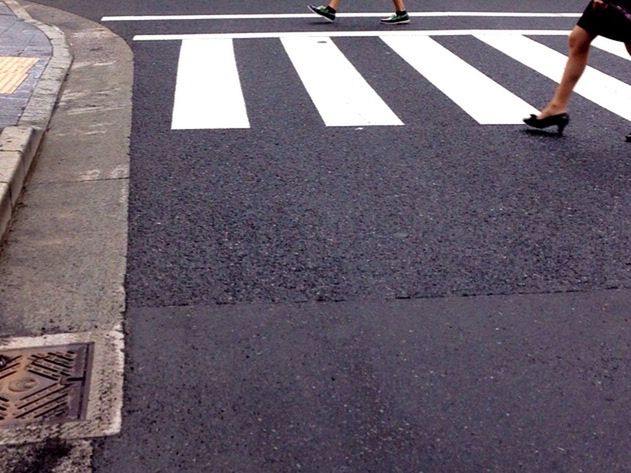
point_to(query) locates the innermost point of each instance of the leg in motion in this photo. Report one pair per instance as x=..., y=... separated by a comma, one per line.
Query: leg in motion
x=555, y=112
x=400, y=16
x=579, y=43
x=328, y=11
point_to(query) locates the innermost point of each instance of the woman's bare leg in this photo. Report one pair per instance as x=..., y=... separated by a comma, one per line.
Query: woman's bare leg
x=399, y=5
x=579, y=42
x=334, y=4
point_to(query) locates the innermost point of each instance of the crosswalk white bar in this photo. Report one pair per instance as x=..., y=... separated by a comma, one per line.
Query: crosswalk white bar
x=600, y=88
x=338, y=34
x=612, y=47
x=339, y=92
x=486, y=101
x=208, y=91
x=279, y=16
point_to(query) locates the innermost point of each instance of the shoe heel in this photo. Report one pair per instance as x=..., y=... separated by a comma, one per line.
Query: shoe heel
x=561, y=126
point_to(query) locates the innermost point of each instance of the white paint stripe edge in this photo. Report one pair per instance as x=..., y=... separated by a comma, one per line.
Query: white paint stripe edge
x=491, y=104
x=335, y=34
x=319, y=62
x=612, y=47
x=280, y=16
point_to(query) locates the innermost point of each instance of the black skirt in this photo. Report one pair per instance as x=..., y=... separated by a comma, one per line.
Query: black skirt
x=610, y=22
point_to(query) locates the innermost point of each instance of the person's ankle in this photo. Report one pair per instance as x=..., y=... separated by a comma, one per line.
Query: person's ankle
x=552, y=109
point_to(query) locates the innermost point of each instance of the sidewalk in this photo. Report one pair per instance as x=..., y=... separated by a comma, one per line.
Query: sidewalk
x=34, y=60
x=62, y=261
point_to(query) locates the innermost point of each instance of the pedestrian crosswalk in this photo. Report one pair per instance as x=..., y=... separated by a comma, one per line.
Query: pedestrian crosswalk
x=208, y=93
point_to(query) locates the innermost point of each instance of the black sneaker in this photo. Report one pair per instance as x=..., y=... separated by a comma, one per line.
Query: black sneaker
x=628, y=138
x=326, y=12
x=397, y=19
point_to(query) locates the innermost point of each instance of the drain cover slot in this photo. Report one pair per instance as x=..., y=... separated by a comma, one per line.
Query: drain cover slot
x=44, y=384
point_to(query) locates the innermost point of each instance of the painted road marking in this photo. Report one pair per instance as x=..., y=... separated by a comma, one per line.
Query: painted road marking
x=338, y=90
x=486, y=101
x=208, y=91
x=14, y=71
x=613, y=47
x=209, y=96
x=344, y=34
x=600, y=88
x=288, y=16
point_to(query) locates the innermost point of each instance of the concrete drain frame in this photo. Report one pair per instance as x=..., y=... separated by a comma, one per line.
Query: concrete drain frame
x=63, y=386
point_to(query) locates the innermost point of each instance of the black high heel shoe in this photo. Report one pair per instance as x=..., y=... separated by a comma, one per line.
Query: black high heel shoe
x=559, y=120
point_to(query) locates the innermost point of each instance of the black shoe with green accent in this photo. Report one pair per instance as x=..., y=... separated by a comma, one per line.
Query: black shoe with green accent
x=326, y=12
x=398, y=18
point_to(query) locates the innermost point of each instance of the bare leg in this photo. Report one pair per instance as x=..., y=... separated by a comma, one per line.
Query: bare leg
x=399, y=5
x=334, y=4
x=579, y=43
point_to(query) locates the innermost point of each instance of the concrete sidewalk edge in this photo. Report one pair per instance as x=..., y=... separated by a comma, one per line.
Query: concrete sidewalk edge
x=19, y=144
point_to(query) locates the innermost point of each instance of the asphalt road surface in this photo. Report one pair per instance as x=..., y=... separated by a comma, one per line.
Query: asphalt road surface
x=443, y=292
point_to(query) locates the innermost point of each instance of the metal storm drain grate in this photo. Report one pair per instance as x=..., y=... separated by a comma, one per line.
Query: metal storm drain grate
x=44, y=384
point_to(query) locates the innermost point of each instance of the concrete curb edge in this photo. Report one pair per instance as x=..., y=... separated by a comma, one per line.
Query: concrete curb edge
x=19, y=144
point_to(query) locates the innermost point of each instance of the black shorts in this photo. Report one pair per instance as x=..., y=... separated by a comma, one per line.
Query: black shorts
x=609, y=22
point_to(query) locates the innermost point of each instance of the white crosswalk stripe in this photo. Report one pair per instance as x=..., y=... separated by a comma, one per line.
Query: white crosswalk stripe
x=323, y=69
x=613, y=47
x=208, y=89
x=491, y=104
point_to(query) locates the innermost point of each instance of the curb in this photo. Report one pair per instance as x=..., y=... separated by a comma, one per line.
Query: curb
x=19, y=144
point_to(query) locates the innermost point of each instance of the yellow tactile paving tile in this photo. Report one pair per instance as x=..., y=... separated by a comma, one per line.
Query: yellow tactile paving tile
x=13, y=71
